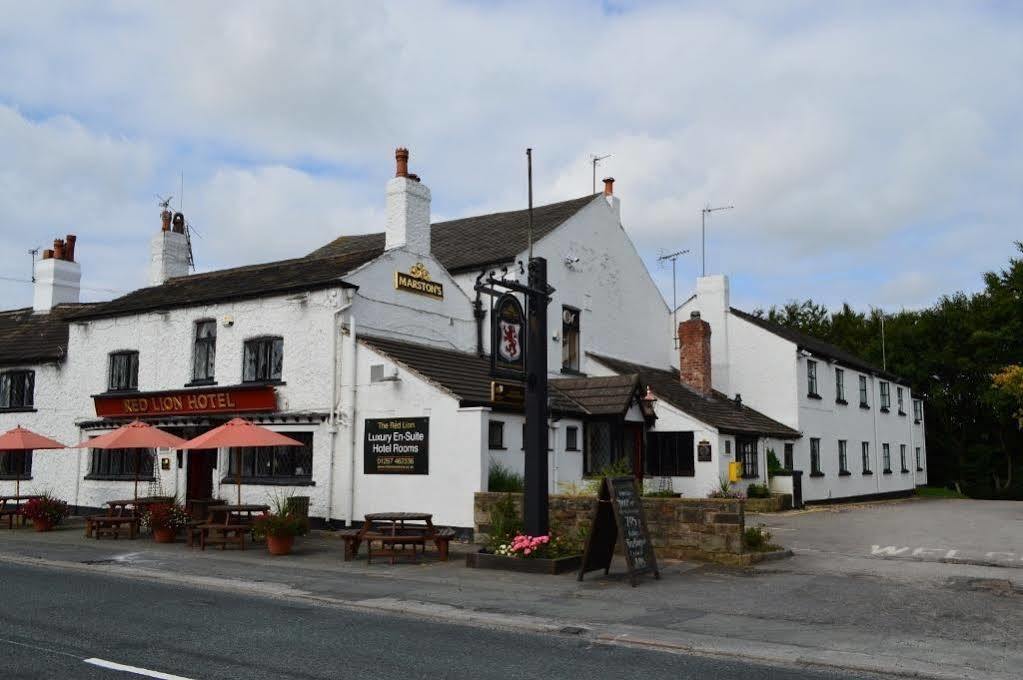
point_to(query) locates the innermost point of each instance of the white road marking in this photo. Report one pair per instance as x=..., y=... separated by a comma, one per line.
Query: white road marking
x=133, y=669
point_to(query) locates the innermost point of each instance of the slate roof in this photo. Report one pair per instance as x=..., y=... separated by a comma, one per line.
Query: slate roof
x=27, y=338
x=466, y=376
x=271, y=278
x=471, y=243
x=716, y=410
x=816, y=346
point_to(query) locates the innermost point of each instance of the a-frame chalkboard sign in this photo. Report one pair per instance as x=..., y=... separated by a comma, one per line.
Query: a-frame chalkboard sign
x=618, y=520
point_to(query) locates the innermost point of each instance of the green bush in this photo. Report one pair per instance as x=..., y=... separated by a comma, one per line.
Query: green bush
x=501, y=479
x=757, y=538
x=774, y=465
x=505, y=522
x=758, y=491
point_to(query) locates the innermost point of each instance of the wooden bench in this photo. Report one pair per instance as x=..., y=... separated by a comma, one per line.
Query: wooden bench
x=111, y=526
x=228, y=533
x=393, y=545
x=442, y=538
x=352, y=540
x=10, y=512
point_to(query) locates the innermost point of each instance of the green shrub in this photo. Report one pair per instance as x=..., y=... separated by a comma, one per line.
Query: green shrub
x=757, y=538
x=758, y=491
x=774, y=465
x=501, y=479
x=505, y=522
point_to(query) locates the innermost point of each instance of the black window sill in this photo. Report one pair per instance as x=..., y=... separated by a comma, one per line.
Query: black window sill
x=576, y=450
x=813, y=395
x=263, y=382
x=270, y=481
x=905, y=472
x=12, y=478
x=498, y=448
x=751, y=476
x=571, y=371
x=919, y=469
x=887, y=472
x=843, y=402
x=868, y=472
x=114, y=393
x=884, y=410
x=866, y=406
x=816, y=474
x=902, y=413
x=18, y=409
x=119, y=478
x=203, y=382
x=844, y=473
x=916, y=422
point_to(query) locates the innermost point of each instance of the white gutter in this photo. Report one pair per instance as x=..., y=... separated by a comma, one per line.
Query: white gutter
x=335, y=331
x=349, y=372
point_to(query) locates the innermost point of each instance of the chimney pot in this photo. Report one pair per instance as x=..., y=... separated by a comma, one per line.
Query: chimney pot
x=179, y=223
x=609, y=186
x=69, y=249
x=165, y=218
x=694, y=315
x=58, y=249
x=401, y=158
x=694, y=354
x=47, y=254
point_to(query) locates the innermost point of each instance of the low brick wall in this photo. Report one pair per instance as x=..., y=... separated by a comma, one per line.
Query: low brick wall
x=776, y=503
x=708, y=529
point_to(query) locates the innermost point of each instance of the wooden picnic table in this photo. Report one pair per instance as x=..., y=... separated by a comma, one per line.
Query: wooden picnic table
x=10, y=507
x=396, y=532
x=122, y=513
x=228, y=524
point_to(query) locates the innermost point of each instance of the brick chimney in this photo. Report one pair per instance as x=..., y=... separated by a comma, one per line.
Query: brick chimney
x=694, y=354
x=168, y=249
x=58, y=277
x=408, y=209
x=609, y=186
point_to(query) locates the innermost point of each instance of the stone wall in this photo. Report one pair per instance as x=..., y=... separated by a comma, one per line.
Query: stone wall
x=680, y=528
x=776, y=503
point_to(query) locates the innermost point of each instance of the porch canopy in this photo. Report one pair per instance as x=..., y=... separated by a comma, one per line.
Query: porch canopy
x=236, y=434
x=138, y=436
x=20, y=439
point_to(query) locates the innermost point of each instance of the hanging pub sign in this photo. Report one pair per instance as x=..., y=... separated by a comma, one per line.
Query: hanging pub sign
x=396, y=446
x=508, y=325
x=618, y=520
x=418, y=281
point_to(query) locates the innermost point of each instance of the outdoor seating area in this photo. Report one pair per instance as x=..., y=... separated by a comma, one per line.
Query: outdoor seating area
x=11, y=508
x=397, y=534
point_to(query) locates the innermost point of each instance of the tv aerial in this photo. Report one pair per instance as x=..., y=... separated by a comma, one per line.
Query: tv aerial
x=661, y=260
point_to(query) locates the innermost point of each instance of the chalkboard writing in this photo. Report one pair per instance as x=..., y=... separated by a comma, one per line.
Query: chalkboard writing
x=397, y=446
x=618, y=520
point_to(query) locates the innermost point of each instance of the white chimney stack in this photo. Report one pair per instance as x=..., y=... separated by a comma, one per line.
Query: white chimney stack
x=169, y=250
x=58, y=278
x=408, y=210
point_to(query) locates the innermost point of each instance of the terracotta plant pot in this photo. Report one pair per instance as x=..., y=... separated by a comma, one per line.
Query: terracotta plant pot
x=280, y=545
x=165, y=535
x=42, y=524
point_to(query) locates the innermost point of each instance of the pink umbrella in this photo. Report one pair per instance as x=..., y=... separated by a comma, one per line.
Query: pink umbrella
x=237, y=433
x=20, y=439
x=135, y=435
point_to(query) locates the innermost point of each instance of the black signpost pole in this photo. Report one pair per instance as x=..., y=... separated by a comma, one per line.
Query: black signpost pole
x=535, y=502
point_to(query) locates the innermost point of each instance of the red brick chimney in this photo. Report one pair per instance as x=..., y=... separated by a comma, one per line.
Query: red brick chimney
x=694, y=354
x=401, y=158
x=609, y=186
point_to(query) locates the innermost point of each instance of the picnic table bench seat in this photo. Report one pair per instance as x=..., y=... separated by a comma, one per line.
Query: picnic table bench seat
x=10, y=512
x=228, y=533
x=111, y=525
x=353, y=539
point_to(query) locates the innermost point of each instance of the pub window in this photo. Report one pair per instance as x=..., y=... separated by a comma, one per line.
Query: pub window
x=865, y=453
x=601, y=449
x=746, y=453
x=863, y=392
x=569, y=339
x=843, y=457
x=918, y=410
x=263, y=359
x=788, y=456
x=17, y=389
x=670, y=454
x=811, y=378
x=15, y=464
x=919, y=465
x=886, y=396
x=840, y=386
x=898, y=398
x=902, y=458
x=886, y=452
x=815, y=458
x=495, y=434
x=274, y=464
x=572, y=438
x=120, y=464
x=204, y=352
x=124, y=371
x=728, y=446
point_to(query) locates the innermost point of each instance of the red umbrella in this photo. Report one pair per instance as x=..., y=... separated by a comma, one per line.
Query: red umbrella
x=20, y=439
x=135, y=435
x=235, y=434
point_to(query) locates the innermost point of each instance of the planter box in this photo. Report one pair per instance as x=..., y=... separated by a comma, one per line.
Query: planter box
x=482, y=560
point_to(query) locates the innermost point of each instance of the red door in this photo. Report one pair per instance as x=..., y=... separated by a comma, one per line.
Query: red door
x=199, y=474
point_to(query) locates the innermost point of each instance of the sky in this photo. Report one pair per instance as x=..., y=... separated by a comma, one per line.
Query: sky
x=873, y=151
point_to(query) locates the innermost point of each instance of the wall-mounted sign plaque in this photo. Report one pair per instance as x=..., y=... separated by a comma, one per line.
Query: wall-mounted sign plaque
x=418, y=281
x=240, y=399
x=703, y=451
x=396, y=446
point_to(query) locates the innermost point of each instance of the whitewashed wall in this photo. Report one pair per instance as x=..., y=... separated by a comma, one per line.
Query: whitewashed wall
x=564, y=466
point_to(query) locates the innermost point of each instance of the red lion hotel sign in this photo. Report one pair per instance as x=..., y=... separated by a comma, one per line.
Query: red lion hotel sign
x=258, y=398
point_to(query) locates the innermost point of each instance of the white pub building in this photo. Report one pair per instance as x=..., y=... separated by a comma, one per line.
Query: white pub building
x=374, y=351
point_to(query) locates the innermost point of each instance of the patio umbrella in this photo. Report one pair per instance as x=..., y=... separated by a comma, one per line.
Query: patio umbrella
x=20, y=439
x=135, y=435
x=235, y=434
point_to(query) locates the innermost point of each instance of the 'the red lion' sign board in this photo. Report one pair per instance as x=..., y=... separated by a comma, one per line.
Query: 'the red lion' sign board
x=212, y=400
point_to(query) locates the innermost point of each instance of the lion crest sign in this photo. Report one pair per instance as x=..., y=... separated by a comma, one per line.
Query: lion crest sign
x=509, y=335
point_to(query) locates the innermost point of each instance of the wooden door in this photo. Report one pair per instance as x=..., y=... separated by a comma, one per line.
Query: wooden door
x=199, y=474
x=632, y=447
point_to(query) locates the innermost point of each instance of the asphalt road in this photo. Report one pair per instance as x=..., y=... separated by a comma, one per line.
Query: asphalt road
x=58, y=624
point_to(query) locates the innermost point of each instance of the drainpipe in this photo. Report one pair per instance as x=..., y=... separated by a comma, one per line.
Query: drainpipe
x=554, y=455
x=349, y=371
x=335, y=331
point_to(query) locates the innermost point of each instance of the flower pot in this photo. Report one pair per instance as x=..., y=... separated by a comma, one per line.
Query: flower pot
x=280, y=545
x=42, y=524
x=530, y=565
x=165, y=535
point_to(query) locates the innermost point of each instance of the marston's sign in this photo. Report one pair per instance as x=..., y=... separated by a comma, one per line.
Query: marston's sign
x=223, y=400
x=418, y=281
